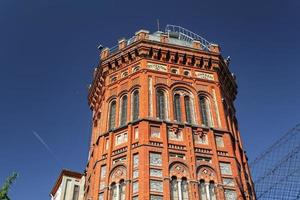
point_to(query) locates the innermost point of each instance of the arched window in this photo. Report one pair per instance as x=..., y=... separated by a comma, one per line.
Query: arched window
x=135, y=105
x=212, y=193
x=188, y=109
x=114, y=193
x=184, y=189
x=205, y=111
x=161, y=104
x=122, y=190
x=112, y=115
x=179, y=189
x=177, y=109
x=123, y=110
x=202, y=190
x=174, y=189
x=118, y=191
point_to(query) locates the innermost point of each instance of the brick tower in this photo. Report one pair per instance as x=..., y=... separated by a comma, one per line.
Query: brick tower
x=164, y=124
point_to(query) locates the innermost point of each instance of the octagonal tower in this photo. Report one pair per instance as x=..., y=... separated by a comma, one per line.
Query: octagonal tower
x=164, y=124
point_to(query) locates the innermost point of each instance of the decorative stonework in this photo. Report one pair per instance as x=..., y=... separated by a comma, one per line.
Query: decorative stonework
x=205, y=76
x=117, y=174
x=206, y=173
x=175, y=133
x=200, y=136
x=179, y=170
x=157, y=67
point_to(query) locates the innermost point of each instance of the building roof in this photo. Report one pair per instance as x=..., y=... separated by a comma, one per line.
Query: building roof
x=64, y=172
x=177, y=35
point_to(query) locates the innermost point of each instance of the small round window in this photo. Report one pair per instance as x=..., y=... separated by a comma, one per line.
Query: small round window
x=174, y=71
x=124, y=74
x=135, y=69
x=186, y=73
x=113, y=79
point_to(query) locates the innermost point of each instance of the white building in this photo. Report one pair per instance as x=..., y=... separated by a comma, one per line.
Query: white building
x=69, y=186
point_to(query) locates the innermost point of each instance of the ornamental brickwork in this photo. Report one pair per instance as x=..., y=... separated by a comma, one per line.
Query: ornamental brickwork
x=164, y=124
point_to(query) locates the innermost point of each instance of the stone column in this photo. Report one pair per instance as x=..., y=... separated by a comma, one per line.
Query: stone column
x=207, y=191
x=118, y=191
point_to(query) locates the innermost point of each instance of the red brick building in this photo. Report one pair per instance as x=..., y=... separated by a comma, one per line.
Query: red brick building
x=164, y=124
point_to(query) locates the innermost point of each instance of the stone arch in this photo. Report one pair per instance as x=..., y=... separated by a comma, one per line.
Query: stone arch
x=179, y=170
x=206, y=173
x=204, y=93
x=133, y=88
x=117, y=174
x=111, y=98
x=185, y=86
x=122, y=93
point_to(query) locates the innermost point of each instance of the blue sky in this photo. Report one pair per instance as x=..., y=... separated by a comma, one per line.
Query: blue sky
x=48, y=52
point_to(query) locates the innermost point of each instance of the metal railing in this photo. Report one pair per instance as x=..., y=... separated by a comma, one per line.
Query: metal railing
x=186, y=35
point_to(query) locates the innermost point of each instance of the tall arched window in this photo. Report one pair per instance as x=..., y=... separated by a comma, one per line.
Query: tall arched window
x=122, y=190
x=188, y=110
x=135, y=105
x=114, y=193
x=212, y=193
x=174, y=189
x=112, y=115
x=123, y=110
x=205, y=111
x=118, y=191
x=202, y=190
x=177, y=109
x=161, y=104
x=184, y=189
x=179, y=189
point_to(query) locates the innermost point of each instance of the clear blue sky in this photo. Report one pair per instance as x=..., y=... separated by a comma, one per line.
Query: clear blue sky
x=48, y=52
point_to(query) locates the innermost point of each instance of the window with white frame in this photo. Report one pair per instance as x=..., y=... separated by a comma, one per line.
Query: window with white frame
x=155, y=159
x=228, y=182
x=156, y=186
x=230, y=194
x=219, y=141
x=156, y=172
x=225, y=168
x=155, y=132
x=121, y=138
x=136, y=133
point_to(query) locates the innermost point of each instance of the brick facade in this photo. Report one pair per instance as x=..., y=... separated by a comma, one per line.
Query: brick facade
x=183, y=141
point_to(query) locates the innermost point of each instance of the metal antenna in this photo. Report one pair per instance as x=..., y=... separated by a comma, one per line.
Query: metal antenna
x=157, y=21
